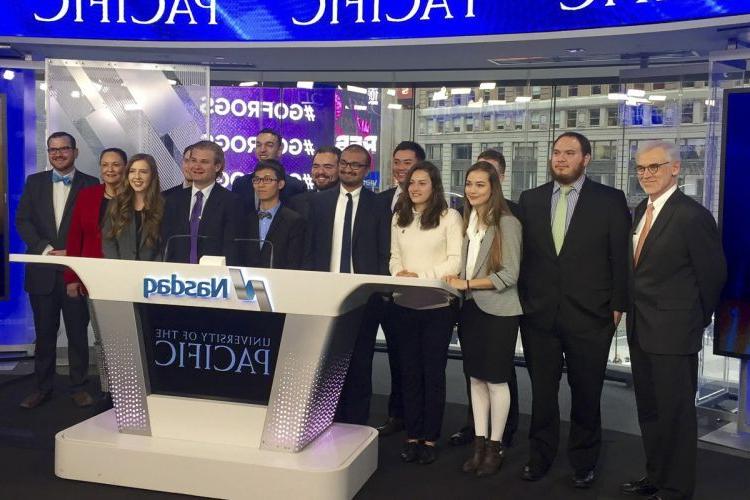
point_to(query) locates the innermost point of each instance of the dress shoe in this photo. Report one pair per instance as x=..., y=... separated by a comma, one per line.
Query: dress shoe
x=463, y=436
x=427, y=454
x=642, y=487
x=532, y=473
x=392, y=425
x=35, y=399
x=473, y=463
x=493, y=459
x=410, y=451
x=82, y=399
x=584, y=480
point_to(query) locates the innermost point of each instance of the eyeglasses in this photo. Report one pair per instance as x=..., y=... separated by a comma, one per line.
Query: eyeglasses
x=652, y=169
x=264, y=180
x=63, y=149
x=352, y=164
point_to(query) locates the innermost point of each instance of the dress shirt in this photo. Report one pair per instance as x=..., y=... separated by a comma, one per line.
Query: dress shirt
x=338, y=226
x=60, y=192
x=575, y=192
x=206, y=192
x=396, y=194
x=476, y=235
x=264, y=224
x=658, y=205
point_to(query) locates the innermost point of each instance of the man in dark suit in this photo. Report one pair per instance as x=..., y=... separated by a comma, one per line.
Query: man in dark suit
x=348, y=233
x=42, y=221
x=405, y=155
x=268, y=146
x=203, y=219
x=187, y=179
x=325, y=175
x=466, y=434
x=677, y=273
x=280, y=229
x=573, y=288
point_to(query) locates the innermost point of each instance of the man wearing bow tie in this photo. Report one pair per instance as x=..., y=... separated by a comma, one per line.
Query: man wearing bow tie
x=42, y=221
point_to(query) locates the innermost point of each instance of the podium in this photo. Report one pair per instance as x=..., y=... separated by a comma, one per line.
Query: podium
x=225, y=380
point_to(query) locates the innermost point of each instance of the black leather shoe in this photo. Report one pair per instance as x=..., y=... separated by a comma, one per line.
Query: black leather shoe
x=410, y=452
x=392, y=425
x=427, y=454
x=584, y=480
x=531, y=473
x=463, y=436
x=641, y=487
x=35, y=399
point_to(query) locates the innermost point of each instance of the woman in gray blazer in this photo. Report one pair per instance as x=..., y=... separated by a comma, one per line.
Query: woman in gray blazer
x=133, y=222
x=488, y=323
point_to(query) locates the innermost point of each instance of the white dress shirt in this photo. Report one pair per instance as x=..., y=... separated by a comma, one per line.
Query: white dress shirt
x=60, y=193
x=476, y=235
x=206, y=193
x=396, y=194
x=658, y=205
x=338, y=226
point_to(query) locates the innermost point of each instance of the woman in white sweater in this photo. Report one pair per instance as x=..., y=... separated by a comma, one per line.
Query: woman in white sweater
x=426, y=239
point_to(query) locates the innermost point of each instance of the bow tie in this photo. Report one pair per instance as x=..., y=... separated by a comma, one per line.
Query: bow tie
x=264, y=215
x=65, y=179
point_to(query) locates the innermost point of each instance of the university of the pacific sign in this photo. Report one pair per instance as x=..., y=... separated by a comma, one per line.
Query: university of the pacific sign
x=338, y=20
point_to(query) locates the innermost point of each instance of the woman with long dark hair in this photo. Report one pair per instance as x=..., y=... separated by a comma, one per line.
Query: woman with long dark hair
x=426, y=240
x=488, y=322
x=133, y=223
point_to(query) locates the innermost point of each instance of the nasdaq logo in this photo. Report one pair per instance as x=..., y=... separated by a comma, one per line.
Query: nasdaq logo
x=251, y=290
x=215, y=288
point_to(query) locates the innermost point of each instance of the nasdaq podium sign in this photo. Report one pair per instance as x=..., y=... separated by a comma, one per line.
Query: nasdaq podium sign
x=339, y=20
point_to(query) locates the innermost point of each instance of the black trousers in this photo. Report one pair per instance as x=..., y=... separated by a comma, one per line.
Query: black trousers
x=46, y=310
x=585, y=355
x=389, y=324
x=665, y=387
x=511, y=425
x=423, y=350
x=354, y=403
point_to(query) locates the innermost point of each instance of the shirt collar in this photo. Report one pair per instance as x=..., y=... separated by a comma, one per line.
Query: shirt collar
x=355, y=194
x=206, y=190
x=662, y=199
x=576, y=186
x=272, y=210
x=70, y=175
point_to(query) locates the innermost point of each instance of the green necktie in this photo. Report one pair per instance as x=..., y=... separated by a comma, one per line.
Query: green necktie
x=561, y=214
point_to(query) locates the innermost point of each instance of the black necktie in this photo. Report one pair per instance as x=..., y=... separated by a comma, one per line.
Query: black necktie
x=346, y=240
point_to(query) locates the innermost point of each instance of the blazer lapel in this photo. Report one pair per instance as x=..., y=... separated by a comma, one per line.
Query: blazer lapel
x=546, y=217
x=484, y=251
x=464, y=253
x=363, y=207
x=47, y=207
x=277, y=221
x=661, y=222
x=210, y=209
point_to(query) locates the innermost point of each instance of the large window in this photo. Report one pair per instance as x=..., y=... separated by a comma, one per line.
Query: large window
x=461, y=151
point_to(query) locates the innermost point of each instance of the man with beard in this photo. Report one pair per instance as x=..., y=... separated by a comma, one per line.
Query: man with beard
x=573, y=288
x=325, y=175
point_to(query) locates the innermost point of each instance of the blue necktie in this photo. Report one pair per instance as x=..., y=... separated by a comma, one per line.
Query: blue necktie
x=346, y=240
x=195, y=221
x=61, y=178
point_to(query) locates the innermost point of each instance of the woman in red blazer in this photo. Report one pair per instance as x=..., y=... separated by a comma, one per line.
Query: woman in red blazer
x=85, y=235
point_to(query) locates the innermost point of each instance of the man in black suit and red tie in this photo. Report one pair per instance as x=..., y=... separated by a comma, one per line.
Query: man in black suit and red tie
x=676, y=275
x=42, y=221
x=349, y=233
x=573, y=289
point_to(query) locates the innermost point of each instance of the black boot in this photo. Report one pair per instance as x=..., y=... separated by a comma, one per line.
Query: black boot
x=473, y=463
x=493, y=459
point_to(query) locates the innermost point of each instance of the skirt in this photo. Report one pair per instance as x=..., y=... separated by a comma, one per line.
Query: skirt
x=488, y=343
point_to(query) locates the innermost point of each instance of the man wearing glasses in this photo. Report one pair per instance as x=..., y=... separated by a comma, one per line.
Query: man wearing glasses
x=42, y=221
x=349, y=233
x=676, y=275
x=276, y=233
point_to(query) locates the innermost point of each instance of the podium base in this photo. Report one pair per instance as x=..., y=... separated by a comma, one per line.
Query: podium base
x=334, y=466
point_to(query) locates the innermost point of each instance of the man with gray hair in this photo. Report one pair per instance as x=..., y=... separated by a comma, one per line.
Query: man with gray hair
x=676, y=275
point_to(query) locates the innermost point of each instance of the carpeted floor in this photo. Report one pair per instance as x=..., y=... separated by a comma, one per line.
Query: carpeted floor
x=27, y=462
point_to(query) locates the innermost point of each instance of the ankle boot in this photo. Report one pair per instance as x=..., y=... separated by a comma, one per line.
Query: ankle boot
x=471, y=464
x=493, y=458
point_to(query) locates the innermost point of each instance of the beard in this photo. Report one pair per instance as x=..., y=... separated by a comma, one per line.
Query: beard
x=570, y=176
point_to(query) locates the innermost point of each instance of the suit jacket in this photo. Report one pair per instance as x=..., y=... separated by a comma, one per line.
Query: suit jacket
x=583, y=285
x=287, y=241
x=35, y=223
x=84, y=234
x=370, y=234
x=218, y=228
x=244, y=189
x=124, y=246
x=300, y=203
x=503, y=299
x=173, y=189
x=676, y=286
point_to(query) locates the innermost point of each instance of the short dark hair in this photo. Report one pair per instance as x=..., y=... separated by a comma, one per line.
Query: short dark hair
x=218, y=153
x=494, y=154
x=274, y=165
x=582, y=140
x=58, y=135
x=122, y=154
x=328, y=149
x=411, y=146
x=272, y=132
x=359, y=149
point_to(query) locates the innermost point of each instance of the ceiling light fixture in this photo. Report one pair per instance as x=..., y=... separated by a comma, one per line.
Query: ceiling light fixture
x=487, y=85
x=305, y=85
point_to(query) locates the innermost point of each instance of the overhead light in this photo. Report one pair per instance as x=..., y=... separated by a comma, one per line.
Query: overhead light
x=617, y=96
x=305, y=85
x=360, y=107
x=131, y=106
x=171, y=82
x=636, y=93
x=487, y=85
x=575, y=51
x=391, y=92
x=657, y=98
x=248, y=84
x=710, y=102
x=43, y=86
x=461, y=91
x=358, y=90
x=523, y=98
x=440, y=95
x=475, y=104
x=395, y=106
x=75, y=94
x=495, y=102
x=9, y=74
x=631, y=102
